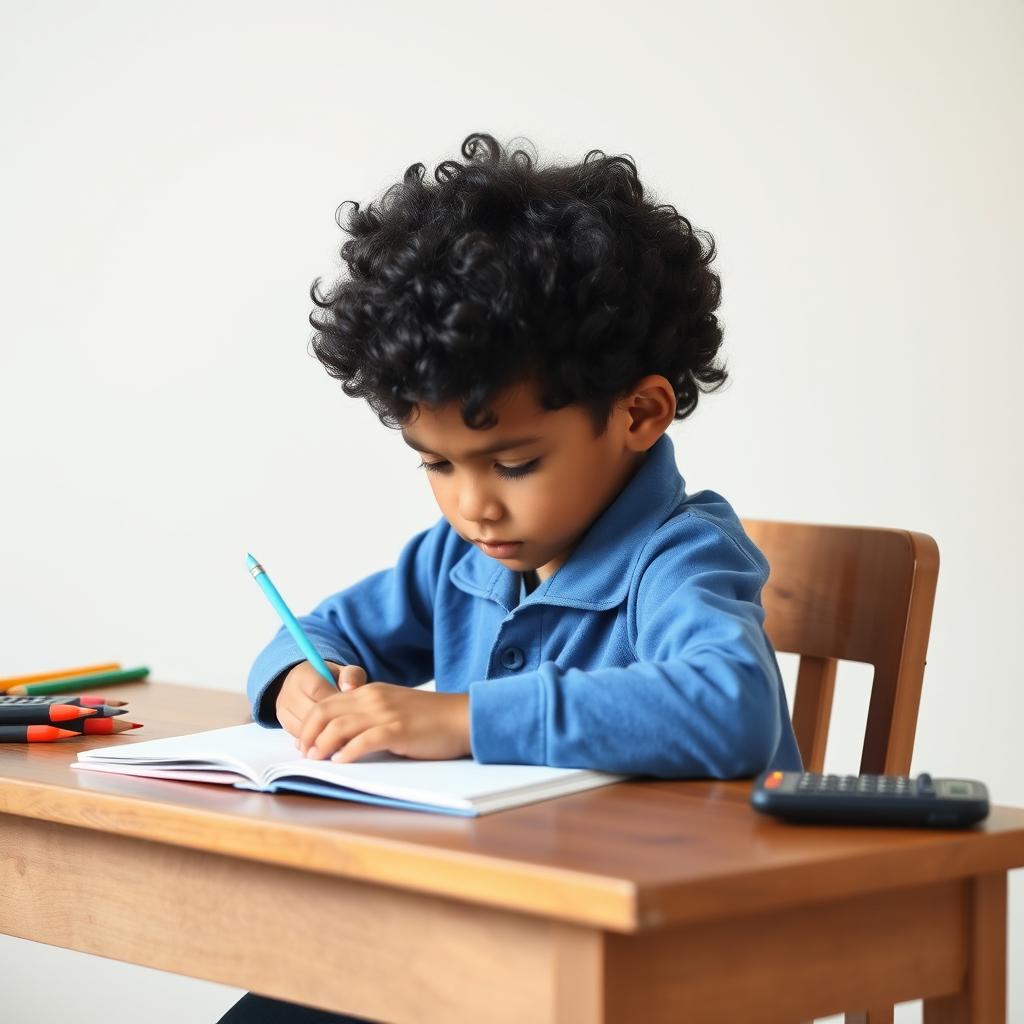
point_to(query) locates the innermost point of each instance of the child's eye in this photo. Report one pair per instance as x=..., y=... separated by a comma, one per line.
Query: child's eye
x=508, y=472
x=514, y=472
x=436, y=467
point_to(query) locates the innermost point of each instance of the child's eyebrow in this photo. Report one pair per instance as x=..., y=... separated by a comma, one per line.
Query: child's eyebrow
x=497, y=446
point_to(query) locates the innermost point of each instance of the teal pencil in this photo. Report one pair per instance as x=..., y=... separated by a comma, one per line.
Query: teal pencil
x=259, y=574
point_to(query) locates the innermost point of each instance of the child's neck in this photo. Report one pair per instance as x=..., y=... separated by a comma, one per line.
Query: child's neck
x=530, y=580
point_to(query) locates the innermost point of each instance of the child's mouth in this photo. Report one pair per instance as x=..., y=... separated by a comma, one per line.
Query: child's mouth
x=504, y=549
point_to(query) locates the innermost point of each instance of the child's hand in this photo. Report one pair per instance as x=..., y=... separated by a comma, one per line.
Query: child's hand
x=383, y=716
x=304, y=686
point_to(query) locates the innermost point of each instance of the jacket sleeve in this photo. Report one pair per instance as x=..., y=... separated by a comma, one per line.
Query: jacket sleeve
x=383, y=623
x=701, y=699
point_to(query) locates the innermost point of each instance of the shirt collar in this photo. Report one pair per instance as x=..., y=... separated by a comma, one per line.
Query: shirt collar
x=596, y=575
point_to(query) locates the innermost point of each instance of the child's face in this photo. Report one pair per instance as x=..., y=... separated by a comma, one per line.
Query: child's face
x=544, y=481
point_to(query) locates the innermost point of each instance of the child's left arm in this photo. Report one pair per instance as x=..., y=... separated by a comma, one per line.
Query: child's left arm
x=703, y=699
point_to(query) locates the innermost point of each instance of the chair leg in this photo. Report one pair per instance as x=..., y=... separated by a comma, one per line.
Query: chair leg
x=876, y=1015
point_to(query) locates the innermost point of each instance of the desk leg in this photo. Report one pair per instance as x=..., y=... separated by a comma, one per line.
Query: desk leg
x=983, y=999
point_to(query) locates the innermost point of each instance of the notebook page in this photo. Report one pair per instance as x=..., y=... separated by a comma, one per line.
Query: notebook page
x=460, y=783
x=222, y=776
x=249, y=749
x=270, y=754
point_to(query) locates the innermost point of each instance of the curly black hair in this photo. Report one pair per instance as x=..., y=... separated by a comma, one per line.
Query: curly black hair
x=503, y=271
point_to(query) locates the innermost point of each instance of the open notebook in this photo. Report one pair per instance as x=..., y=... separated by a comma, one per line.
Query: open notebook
x=251, y=757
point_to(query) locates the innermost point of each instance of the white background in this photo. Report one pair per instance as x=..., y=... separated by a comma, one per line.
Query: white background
x=169, y=175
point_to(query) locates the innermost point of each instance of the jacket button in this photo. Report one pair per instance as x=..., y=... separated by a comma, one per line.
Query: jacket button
x=512, y=658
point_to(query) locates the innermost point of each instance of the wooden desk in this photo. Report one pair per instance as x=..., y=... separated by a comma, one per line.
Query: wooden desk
x=644, y=901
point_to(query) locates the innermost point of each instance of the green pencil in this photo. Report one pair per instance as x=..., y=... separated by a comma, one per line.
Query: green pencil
x=75, y=683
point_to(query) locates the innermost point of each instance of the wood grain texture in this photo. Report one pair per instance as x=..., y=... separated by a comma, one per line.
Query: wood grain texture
x=646, y=900
x=982, y=998
x=851, y=593
x=399, y=956
x=895, y=946
x=327, y=942
x=635, y=855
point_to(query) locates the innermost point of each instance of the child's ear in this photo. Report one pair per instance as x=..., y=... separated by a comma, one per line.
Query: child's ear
x=650, y=406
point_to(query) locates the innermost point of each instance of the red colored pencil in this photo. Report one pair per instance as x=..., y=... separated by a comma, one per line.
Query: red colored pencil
x=102, y=726
x=91, y=702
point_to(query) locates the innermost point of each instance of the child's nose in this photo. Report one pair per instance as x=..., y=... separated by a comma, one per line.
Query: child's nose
x=477, y=504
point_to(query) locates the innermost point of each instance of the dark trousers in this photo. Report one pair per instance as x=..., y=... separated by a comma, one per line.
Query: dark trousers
x=254, y=1009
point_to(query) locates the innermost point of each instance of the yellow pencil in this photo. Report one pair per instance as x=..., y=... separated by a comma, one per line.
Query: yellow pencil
x=6, y=684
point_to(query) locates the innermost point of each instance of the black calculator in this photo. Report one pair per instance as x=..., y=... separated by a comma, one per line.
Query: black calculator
x=870, y=799
x=21, y=701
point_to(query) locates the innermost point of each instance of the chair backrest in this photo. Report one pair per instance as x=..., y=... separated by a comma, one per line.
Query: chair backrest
x=853, y=594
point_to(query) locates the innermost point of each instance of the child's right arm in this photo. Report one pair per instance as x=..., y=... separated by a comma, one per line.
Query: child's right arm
x=383, y=625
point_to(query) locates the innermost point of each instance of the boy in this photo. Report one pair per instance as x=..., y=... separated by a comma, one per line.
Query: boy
x=533, y=332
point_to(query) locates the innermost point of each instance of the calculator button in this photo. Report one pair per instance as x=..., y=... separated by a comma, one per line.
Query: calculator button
x=925, y=786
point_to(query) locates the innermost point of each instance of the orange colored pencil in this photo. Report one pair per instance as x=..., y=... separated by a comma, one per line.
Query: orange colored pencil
x=34, y=733
x=37, y=714
x=64, y=673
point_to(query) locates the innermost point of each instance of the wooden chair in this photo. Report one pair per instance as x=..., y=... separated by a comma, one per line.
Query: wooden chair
x=844, y=593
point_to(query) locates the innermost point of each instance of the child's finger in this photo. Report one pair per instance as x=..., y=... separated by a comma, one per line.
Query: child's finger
x=350, y=677
x=377, y=737
x=314, y=686
x=294, y=714
x=318, y=717
x=290, y=721
x=335, y=734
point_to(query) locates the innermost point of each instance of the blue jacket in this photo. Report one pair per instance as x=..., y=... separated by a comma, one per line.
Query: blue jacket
x=644, y=653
